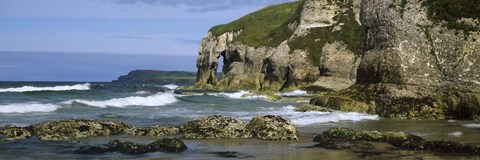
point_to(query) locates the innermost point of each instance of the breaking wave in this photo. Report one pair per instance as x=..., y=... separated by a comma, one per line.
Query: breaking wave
x=308, y=118
x=239, y=95
x=171, y=86
x=293, y=93
x=159, y=99
x=85, y=86
x=28, y=108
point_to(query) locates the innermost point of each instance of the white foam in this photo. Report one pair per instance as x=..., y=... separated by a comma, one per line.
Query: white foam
x=293, y=93
x=456, y=134
x=154, y=100
x=171, y=86
x=472, y=125
x=141, y=92
x=28, y=108
x=85, y=86
x=308, y=118
x=239, y=95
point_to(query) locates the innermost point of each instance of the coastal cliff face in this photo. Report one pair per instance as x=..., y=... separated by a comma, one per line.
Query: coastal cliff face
x=402, y=58
x=296, y=59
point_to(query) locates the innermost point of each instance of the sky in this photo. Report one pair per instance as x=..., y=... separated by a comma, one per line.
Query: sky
x=81, y=30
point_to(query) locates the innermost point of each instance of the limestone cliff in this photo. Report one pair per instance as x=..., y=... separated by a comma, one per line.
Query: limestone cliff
x=314, y=42
x=401, y=58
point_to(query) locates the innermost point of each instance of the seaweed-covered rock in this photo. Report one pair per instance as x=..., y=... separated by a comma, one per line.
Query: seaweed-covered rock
x=152, y=131
x=15, y=133
x=401, y=140
x=162, y=145
x=215, y=127
x=127, y=147
x=77, y=128
x=168, y=145
x=312, y=108
x=340, y=103
x=272, y=127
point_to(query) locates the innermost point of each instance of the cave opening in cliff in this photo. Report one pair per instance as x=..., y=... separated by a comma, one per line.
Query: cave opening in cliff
x=221, y=63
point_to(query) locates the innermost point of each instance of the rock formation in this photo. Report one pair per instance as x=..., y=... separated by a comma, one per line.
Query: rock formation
x=407, y=59
x=215, y=127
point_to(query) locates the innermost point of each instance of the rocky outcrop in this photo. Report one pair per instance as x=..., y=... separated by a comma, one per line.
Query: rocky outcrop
x=77, y=128
x=163, y=145
x=271, y=127
x=408, y=59
x=214, y=127
x=290, y=63
x=344, y=138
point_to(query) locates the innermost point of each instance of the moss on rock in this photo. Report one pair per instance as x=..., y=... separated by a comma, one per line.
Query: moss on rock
x=162, y=145
x=16, y=133
x=153, y=131
x=214, y=127
x=272, y=127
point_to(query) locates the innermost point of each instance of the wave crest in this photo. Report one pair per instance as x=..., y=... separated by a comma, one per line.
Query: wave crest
x=154, y=100
x=28, y=108
x=85, y=86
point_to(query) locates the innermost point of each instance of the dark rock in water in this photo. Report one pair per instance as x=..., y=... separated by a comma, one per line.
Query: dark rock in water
x=153, y=131
x=230, y=154
x=168, y=145
x=77, y=128
x=215, y=127
x=312, y=108
x=401, y=140
x=91, y=150
x=127, y=147
x=271, y=127
x=15, y=133
x=163, y=145
x=344, y=144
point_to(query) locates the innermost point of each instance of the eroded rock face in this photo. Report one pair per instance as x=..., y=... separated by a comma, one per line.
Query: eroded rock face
x=271, y=127
x=77, y=128
x=214, y=127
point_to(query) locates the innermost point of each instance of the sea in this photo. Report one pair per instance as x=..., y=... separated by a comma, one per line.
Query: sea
x=147, y=104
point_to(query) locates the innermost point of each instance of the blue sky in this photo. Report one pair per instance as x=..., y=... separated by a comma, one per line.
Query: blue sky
x=112, y=28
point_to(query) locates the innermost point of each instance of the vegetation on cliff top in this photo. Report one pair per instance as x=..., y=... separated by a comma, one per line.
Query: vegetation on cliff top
x=266, y=27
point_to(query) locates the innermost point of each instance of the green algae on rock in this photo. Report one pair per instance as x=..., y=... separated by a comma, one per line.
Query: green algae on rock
x=401, y=140
x=272, y=127
x=214, y=127
x=77, y=128
x=16, y=133
x=152, y=131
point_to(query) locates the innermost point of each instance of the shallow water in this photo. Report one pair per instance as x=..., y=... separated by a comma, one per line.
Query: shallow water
x=158, y=104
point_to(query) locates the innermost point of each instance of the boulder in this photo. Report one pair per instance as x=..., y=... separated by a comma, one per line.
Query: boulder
x=271, y=127
x=77, y=128
x=214, y=127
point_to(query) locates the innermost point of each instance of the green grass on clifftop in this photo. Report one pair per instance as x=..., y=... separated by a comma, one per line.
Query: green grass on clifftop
x=266, y=27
